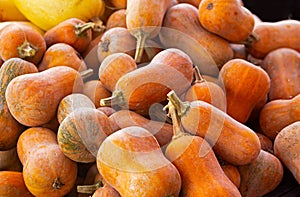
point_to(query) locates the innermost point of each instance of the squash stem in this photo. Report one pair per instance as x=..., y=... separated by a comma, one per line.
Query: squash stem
x=26, y=50
x=253, y=37
x=198, y=77
x=86, y=73
x=89, y=189
x=99, y=26
x=141, y=39
x=177, y=130
x=80, y=29
x=116, y=99
x=180, y=106
x=57, y=184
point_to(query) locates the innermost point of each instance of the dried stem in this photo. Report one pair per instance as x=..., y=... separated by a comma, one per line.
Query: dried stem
x=89, y=189
x=197, y=75
x=180, y=106
x=141, y=39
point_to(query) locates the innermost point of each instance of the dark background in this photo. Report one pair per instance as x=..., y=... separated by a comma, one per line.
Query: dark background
x=274, y=10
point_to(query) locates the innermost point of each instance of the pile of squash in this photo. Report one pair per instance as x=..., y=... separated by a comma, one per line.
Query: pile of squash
x=147, y=98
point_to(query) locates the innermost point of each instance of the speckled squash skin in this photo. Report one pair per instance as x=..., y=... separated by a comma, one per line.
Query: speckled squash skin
x=116, y=40
x=113, y=67
x=71, y=32
x=46, y=170
x=140, y=169
x=260, y=176
x=62, y=54
x=10, y=128
x=81, y=133
x=71, y=103
x=22, y=40
x=33, y=98
x=287, y=146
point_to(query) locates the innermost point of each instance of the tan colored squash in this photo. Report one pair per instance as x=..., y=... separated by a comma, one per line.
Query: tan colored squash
x=287, y=146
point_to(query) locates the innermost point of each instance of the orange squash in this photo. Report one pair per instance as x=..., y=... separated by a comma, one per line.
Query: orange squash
x=117, y=19
x=141, y=167
x=114, y=40
x=46, y=170
x=12, y=184
x=95, y=90
x=226, y=18
x=144, y=19
x=10, y=128
x=81, y=133
x=244, y=94
x=274, y=35
x=182, y=29
x=71, y=103
x=62, y=54
x=33, y=98
x=23, y=41
x=124, y=118
x=31, y=139
x=72, y=31
x=185, y=151
x=261, y=176
x=232, y=173
x=219, y=130
x=114, y=67
x=277, y=114
x=206, y=91
x=287, y=146
x=143, y=87
x=283, y=67
x=90, y=54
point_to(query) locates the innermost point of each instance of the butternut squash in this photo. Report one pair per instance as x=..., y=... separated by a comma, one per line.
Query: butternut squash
x=33, y=98
x=277, y=114
x=245, y=86
x=10, y=128
x=182, y=29
x=206, y=177
x=219, y=130
x=261, y=176
x=143, y=87
x=286, y=148
x=144, y=19
x=135, y=156
x=283, y=67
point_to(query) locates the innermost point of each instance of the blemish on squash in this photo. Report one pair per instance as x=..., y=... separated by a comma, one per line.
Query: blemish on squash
x=210, y=6
x=105, y=45
x=57, y=184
